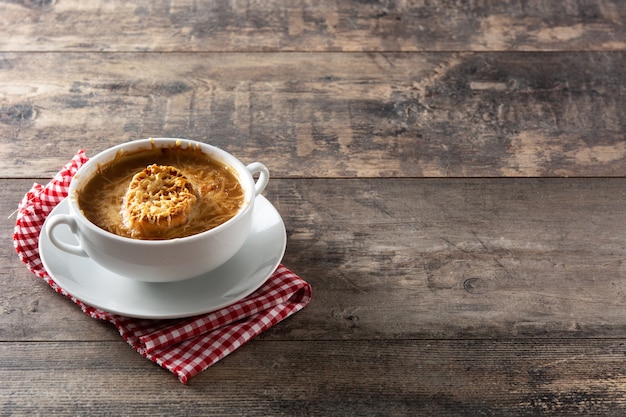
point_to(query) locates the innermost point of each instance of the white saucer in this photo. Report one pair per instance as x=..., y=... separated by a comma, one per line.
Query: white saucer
x=243, y=274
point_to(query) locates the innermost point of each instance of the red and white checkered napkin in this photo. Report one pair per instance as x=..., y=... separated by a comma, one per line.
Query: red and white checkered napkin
x=184, y=346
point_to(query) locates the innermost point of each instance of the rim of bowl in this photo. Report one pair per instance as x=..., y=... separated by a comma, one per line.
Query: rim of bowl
x=110, y=153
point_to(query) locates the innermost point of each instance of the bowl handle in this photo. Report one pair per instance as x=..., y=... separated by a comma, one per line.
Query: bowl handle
x=57, y=220
x=264, y=176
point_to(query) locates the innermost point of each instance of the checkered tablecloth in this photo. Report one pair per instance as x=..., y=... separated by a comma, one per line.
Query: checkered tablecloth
x=184, y=346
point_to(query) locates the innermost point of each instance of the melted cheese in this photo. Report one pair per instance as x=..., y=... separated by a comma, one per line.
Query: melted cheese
x=187, y=194
x=158, y=198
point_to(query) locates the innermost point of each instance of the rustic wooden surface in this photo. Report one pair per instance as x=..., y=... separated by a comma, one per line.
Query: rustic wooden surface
x=451, y=176
x=307, y=25
x=328, y=114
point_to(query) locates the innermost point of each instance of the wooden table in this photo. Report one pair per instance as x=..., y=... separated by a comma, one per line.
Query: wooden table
x=451, y=177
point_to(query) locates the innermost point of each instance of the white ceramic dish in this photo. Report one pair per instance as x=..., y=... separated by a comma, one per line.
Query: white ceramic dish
x=159, y=260
x=240, y=276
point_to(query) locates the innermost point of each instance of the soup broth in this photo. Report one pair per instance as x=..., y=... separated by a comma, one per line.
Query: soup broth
x=208, y=190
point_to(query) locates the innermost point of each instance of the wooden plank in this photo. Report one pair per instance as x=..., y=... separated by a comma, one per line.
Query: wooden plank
x=451, y=258
x=326, y=115
x=306, y=25
x=316, y=377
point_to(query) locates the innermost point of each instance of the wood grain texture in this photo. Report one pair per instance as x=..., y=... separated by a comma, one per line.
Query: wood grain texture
x=306, y=25
x=452, y=258
x=330, y=378
x=326, y=115
x=401, y=136
x=460, y=258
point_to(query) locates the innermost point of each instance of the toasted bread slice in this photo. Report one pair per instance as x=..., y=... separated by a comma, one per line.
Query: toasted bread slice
x=158, y=198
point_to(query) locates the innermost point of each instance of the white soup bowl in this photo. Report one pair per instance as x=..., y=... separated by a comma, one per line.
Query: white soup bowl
x=159, y=260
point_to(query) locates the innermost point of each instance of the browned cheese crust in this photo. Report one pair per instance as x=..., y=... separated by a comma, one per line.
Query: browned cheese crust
x=158, y=198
